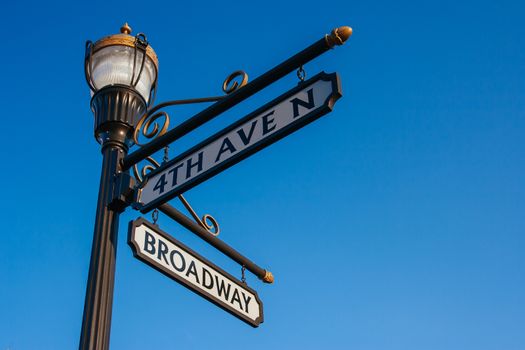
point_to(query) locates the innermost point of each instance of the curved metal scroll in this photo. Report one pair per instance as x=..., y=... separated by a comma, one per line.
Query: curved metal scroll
x=148, y=124
x=145, y=123
x=230, y=85
x=139, y=176
x=212, y=227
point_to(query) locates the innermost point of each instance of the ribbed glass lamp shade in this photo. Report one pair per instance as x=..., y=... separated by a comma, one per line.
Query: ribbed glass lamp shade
x=115, y=65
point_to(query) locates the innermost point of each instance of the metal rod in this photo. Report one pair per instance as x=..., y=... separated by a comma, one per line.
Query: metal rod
x=264, y=275
x=183, y=102
x=337, y=37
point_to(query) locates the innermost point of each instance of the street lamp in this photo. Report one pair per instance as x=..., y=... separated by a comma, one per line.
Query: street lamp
x=121, y=71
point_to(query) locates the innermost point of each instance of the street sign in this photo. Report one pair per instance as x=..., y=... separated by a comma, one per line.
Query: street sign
x=287, y=113
x=166, y=254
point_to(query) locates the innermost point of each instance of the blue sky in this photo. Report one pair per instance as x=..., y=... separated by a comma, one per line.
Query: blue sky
x=394, y=222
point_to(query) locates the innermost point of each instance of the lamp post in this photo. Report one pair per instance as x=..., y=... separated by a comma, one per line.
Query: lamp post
x=121, y=71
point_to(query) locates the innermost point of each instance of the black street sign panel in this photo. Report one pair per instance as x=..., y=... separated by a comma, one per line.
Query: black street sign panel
x=282, y=116
x=166, y=254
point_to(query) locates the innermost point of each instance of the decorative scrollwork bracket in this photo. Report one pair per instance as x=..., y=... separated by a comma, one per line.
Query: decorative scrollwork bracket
x=149, y=127
x=208, y=222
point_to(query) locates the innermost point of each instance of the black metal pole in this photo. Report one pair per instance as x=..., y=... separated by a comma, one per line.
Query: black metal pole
x=337, y=37
x=264, y=275
x=116, y=109
x=99, y=293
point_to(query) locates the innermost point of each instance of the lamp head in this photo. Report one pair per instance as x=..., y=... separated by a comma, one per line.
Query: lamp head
x=121, y=71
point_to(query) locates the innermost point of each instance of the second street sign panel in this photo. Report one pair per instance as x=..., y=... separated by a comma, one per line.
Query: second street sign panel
x=169, y=256
x=285, y=114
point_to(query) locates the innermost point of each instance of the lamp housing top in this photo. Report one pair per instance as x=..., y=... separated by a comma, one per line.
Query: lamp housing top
x=122, y=59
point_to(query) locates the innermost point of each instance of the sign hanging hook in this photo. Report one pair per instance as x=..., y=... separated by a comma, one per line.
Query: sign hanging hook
x=301, y=73
x=155, y=216
x=243, y=274
x=166, y=156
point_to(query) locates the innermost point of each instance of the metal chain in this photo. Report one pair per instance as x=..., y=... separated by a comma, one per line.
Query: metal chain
x=301, y=73
x=243, y=273
x=166, y=154
x=155, y=216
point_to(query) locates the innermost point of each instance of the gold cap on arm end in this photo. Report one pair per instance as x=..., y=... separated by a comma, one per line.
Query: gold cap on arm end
x=268, y=277
x=338, y=36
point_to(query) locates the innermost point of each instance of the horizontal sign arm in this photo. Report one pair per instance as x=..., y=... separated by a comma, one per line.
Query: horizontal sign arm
x=264, y=275
x=337, y=37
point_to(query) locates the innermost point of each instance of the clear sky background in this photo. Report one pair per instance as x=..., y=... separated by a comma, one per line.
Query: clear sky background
x=394, y=222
